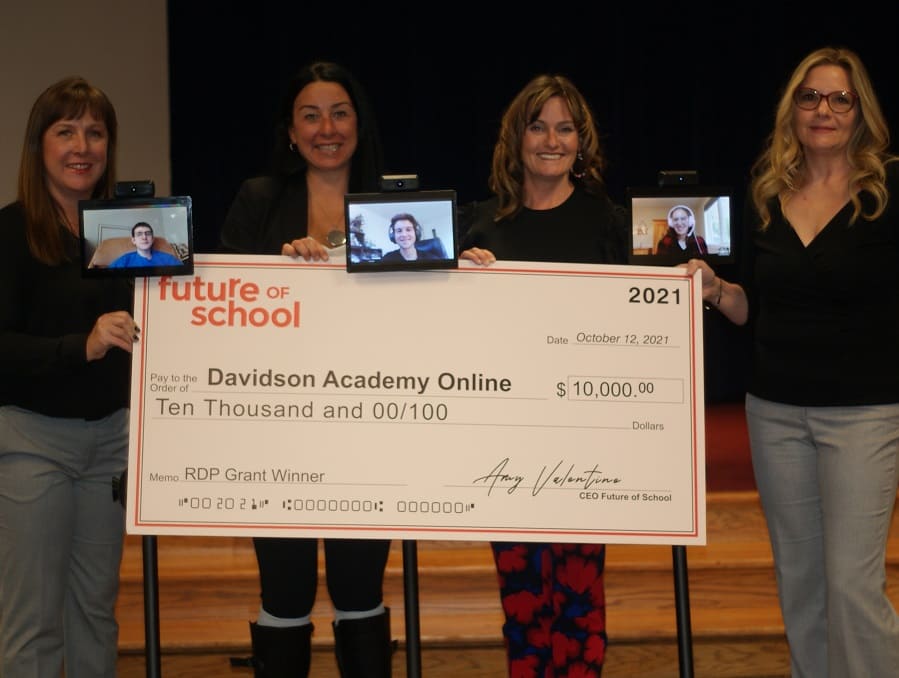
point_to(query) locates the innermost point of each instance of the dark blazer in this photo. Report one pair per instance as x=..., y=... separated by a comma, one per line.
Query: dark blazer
x=266, y=213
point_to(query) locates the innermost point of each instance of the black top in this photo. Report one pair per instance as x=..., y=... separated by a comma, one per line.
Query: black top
x=46, y=314
x=395, y=256
x=266, y=213
x=585, y=229
x=825, y=317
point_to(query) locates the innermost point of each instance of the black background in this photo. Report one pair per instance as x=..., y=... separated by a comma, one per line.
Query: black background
x=672, y=87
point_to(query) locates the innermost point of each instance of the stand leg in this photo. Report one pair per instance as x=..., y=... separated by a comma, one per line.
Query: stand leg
x=682, y=607
x=151, y=608
x=410, y=588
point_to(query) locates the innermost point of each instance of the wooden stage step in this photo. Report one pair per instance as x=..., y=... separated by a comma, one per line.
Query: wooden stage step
x=208, y=592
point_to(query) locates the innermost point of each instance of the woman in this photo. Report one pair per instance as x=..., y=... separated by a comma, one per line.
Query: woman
x=327, y=145
x=549, y=204
x=65, y=345
x=820, y=286
x=681, y=238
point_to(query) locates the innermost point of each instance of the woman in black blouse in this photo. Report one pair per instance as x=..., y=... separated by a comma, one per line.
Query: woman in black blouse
x=65, y=366
x=820, y=287
x=549, y=204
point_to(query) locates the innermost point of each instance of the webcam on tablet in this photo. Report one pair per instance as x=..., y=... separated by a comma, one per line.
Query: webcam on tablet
x=145, y=188
x=399, y=182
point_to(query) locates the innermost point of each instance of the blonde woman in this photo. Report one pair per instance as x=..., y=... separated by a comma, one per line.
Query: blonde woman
x=821, y=289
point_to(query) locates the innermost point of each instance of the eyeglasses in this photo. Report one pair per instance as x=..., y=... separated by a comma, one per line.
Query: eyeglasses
x=143, y=234
x=809, y=99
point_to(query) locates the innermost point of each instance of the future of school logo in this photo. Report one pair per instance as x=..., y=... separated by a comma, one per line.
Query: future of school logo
x=234, y=302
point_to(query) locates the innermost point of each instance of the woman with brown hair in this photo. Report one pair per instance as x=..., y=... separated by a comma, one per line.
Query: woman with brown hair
x=65, y=356
x=550, y=204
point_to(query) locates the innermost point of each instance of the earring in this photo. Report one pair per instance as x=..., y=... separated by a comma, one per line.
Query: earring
x=292, y=147
x=583, y=172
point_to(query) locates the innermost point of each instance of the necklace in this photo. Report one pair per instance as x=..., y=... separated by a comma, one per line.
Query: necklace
x=336, y=238
x=323, y=226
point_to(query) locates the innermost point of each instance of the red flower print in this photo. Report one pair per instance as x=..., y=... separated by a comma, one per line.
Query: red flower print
x=578, y=574
x=594, y=621
x=522, y=606
x=564, y=648
x=595, y=650
x=538, y=635
x=525, y=667
x=582, y=671
x=512, y=560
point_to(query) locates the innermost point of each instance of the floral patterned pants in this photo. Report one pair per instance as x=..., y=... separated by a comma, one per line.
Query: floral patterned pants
x=553, y=597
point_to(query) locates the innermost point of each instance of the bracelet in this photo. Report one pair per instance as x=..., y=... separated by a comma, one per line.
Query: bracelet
x=720, y=289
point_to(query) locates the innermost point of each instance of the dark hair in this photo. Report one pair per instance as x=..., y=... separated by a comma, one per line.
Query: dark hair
x=367, y=162
x=405, y=216
x=68, y=99
x=141, y=223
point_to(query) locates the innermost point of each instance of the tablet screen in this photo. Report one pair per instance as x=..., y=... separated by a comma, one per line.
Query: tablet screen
x=672, y=224
x=136, y=237
x=395, y=231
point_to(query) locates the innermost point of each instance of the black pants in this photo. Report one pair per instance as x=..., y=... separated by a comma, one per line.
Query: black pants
x=288, y=573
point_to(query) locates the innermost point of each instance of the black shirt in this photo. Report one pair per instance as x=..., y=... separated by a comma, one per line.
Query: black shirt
x=585, y=229
x=46, y=314
x=825, y=317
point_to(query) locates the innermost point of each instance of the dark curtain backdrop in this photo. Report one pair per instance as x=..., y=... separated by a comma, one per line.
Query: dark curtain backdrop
x=673, y=87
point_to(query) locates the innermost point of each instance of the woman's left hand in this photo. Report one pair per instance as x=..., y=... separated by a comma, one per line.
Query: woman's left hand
x=709, y=278
x=116, y=328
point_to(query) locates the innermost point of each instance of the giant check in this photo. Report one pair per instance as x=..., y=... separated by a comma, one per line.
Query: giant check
x=518, y=402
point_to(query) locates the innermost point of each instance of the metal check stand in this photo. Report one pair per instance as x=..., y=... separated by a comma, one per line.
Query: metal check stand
x=682, y=610
x=151, y=608
x=153, y=654
x=413, y=627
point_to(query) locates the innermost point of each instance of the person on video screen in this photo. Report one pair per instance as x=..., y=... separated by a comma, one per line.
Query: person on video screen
x=681, y=236
x=405, y=231
x=144, y=254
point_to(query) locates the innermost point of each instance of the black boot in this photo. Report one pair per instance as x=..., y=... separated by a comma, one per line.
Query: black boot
x=363, y=647
x=279, y=652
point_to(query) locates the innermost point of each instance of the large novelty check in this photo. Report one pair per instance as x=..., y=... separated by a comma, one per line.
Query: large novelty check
x=518, y=402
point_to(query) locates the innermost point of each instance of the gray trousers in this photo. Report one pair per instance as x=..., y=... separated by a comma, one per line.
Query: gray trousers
x=61, y=537
x=827, y=479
